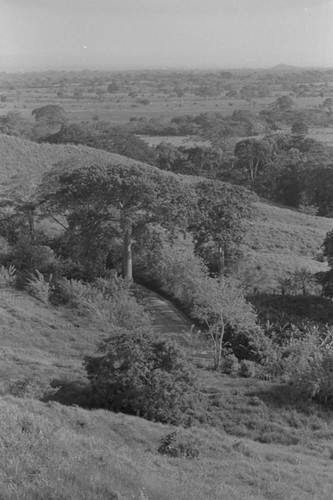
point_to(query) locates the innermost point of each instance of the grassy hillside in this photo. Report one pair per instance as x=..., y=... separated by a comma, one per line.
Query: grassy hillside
x=282, y=240
x=40, y=343
x=27, y=161
x=265, y=446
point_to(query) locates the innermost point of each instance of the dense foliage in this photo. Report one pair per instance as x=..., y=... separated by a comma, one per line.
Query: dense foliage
x=101, y=135
x=138, y=374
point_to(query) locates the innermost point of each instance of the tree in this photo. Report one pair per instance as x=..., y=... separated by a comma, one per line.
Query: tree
x=219, y=304
x=101, y=135
x=78, y=94
x=117, y=200
x=253, y=156
x=13, y=123
x=51, y=114
x=328, y=103
x=300, y=128
x=283, y=103
x=205, y=161
x=169, y=157
x=113, y=87
x=320, y=189
x=326, y=278
x=219, y=225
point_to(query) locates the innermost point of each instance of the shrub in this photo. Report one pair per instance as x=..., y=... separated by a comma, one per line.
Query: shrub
x=140, y=375
x=301, y=281
x=27, y=257
x=312, y=376
x=230, y=364
x=247, y=368
x=32, y=389
x=179, y=444
x=39, y=287
x=109, y=300
x=7, y=276
x=72, y=292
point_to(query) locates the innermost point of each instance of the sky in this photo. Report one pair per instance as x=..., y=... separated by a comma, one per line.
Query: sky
x=119, y=34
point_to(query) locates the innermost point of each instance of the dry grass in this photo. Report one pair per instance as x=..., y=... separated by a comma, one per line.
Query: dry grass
x=69, y=453
x=39, y=342
x=282, y=240
x=24, y=162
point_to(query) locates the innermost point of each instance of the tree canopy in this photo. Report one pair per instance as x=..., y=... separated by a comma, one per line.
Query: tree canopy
x=103, y=136
x=219, y=225
x=104, y=202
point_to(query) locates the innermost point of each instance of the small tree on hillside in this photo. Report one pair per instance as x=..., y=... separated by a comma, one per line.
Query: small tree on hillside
x=219, y=304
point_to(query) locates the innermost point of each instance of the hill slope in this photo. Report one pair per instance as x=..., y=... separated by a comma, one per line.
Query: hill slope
x=23, y=161
x=282, y=240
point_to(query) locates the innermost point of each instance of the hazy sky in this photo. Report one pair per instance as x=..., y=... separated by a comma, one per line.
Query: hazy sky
x=42, y=34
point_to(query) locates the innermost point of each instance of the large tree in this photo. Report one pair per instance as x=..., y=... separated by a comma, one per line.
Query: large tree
x=51, y=114
x=219, y=225
x=116, y=201
x=253, y=156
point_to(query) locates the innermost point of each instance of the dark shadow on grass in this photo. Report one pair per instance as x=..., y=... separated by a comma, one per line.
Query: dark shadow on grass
x=72, y=393
x=285, y=396
x=277, y=395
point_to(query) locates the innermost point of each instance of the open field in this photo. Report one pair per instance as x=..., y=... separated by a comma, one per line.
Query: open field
x=120, y=107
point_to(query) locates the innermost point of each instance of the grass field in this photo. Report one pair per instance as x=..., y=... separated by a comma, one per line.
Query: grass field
x=119, y=108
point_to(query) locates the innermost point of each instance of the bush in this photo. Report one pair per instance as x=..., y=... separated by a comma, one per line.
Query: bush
x=31, y=389
x=230, y=364
x=300, y=282
x=247, y=368
x=109, y=300
x=27, y=257
x=39, y=287
x=311, y=370
x=180, y=444
x=141, y=375
x=7, y=276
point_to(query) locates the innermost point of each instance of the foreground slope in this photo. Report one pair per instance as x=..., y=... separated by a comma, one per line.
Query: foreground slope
x=261, y=449
x=51, y=451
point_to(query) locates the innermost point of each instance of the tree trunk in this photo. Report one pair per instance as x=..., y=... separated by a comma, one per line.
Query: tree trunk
x=221, y=262
x=127, y=255
x=218, y=349
x=31, y=224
